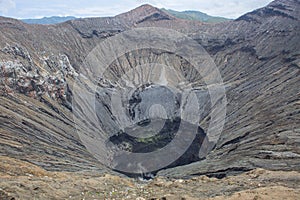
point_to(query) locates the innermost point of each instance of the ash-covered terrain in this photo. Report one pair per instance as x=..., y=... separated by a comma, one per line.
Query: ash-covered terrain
x=42, y=68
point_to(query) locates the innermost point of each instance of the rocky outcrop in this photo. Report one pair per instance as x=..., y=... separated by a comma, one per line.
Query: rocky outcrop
x=283, y=8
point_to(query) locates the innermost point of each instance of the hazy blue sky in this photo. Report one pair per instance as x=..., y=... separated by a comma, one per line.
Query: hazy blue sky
x=84, y=8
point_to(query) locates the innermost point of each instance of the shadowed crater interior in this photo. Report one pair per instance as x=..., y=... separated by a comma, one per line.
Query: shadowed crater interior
x=154, y=111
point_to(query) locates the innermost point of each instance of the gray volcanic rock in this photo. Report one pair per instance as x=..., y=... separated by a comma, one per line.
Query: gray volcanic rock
x=259, y=62
x=257, y=55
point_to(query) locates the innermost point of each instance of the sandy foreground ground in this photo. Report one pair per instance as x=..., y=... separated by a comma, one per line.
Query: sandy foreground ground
x=22, y=180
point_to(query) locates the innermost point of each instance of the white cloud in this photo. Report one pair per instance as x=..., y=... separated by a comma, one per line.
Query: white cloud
x=97, y=11
x=6, y=5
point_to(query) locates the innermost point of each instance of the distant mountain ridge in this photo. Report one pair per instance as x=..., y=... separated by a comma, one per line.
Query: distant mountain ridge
x=195, y=15
x=187, y=15
x=49, y=20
